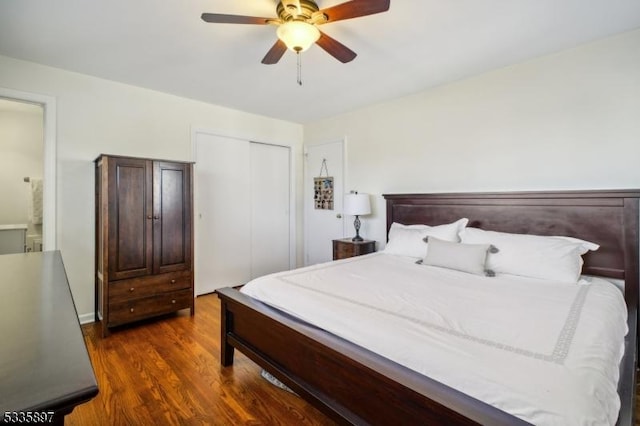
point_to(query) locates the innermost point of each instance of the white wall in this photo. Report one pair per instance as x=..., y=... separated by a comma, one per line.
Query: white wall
x=21, y=155
x=566, y=121
x=98, y=116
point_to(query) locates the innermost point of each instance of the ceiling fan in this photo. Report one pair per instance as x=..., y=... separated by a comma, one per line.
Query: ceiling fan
x=298, y=22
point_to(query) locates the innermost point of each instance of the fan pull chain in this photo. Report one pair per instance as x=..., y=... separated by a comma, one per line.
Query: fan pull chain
x=299, y=68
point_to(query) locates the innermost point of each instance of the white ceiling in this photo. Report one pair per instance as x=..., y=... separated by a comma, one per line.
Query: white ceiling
x=165, y=46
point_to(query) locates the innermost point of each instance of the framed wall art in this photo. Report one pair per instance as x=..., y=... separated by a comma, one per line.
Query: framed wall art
x=323, y=189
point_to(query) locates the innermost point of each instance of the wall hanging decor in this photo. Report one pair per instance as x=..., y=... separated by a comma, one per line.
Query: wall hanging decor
x=323, y=189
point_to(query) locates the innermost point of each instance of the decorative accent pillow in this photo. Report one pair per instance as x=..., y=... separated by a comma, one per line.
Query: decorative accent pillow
x=406, y=240
x=469, y=258
x=535, y=256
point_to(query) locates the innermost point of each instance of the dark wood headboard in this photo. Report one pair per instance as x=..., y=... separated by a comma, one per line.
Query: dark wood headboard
x=607, y=218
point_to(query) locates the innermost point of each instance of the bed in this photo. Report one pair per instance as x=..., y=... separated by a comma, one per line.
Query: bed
x=357, y=386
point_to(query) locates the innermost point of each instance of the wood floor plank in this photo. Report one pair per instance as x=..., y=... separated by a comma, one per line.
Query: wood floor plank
x=168, y=372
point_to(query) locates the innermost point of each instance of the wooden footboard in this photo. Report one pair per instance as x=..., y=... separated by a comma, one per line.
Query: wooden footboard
x=348, y=383
x=355, y=386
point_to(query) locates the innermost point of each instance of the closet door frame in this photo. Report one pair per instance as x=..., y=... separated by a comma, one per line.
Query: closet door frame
x=293, y=211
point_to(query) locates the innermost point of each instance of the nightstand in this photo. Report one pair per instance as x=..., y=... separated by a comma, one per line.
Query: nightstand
x=344, y=248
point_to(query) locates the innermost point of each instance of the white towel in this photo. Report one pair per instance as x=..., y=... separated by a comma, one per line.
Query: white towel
x=36, y=205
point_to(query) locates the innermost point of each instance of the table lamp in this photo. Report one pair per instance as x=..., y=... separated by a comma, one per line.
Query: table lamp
x=357, y=205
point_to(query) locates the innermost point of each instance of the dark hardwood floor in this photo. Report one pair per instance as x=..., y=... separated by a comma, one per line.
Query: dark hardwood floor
x=167, y=372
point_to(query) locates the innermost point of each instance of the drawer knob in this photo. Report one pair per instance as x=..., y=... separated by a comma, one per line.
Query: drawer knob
x=131, y=310
x=173, y=281
x=173, y=301
x=132, y=288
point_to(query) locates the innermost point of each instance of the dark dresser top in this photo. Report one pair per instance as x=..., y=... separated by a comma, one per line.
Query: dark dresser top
x=44, y=364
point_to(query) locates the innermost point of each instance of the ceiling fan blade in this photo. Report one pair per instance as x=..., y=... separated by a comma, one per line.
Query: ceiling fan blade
x=355, y=9
x=219, y=18
x=275, y=53
x=336, y=49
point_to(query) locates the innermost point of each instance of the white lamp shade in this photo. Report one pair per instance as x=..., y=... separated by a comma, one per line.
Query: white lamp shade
x=357, y=204
x=298, y=35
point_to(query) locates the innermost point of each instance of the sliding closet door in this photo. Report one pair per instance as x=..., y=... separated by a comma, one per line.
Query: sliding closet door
x=270, y=189
x=242, y=228
x=223, y=216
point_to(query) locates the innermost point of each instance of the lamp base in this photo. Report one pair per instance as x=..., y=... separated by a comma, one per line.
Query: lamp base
x=356, y=224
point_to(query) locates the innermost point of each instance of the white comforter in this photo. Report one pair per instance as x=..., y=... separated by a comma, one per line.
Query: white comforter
x=545, y=352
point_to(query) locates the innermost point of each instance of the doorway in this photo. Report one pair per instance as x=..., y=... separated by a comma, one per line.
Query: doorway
x=47, y=105
x=243, y=217
x=21, y=171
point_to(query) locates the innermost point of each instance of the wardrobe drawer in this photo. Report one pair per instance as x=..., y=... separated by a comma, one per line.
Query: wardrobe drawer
x=134, y=288
x=136, y=309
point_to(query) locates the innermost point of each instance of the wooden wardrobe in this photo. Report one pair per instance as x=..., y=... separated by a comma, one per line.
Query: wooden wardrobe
x=144, y=239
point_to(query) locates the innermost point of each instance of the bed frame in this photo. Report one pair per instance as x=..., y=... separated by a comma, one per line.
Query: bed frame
x=355, y=386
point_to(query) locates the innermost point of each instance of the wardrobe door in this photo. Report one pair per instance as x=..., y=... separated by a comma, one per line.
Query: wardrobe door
x=171, y=216
x=130, y=218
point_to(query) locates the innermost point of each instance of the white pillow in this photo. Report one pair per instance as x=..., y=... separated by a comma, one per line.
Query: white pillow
x=535, y=256
x=470, y=258
x=407, y=240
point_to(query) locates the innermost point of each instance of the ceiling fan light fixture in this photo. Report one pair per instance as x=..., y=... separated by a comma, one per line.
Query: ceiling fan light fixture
x=298, y=35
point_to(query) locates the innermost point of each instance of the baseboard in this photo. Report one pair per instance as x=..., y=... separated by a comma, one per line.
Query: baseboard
x=87, y=318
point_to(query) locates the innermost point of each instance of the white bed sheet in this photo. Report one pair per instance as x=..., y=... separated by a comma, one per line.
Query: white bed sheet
x=545, y=352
